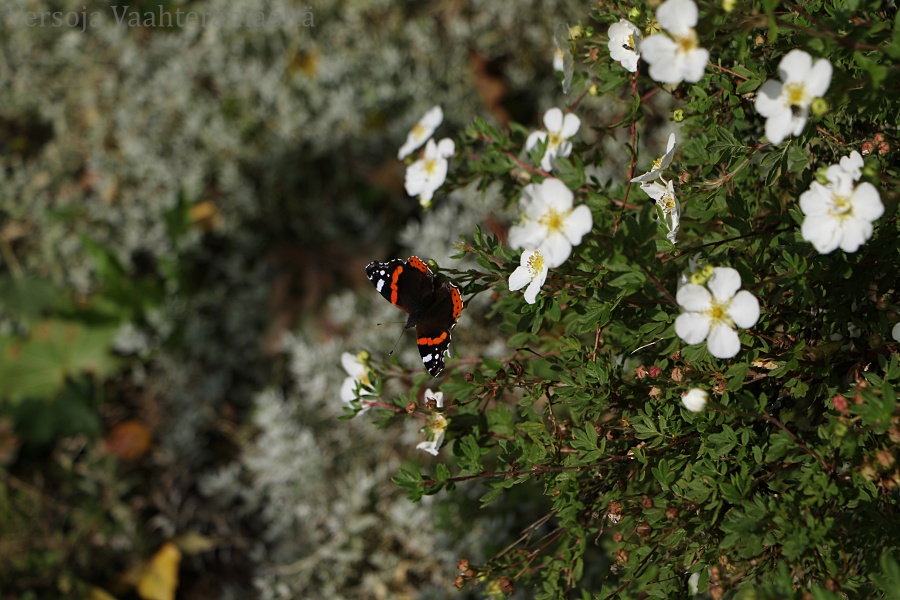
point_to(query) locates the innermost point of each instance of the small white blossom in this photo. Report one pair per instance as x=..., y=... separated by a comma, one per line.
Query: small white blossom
x=532, y=271
x=895, y=332
x=427, y=174
x=437, y=397
x=839, y=214
x=695, y=399
x=437, y=426
x=562, y=56
x=624, y=42
x=421, y=131
x=675, y=57
x=357, y=375
x=660, y=164
x=785, y=104
x=559, y=130
x=668, y=209
x=549, y=222
x=711, y=311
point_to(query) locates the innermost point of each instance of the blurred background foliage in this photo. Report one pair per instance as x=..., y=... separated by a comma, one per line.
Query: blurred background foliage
x=185, y=213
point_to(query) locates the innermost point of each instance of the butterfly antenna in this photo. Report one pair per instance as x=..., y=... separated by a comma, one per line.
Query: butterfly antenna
x=391, y=353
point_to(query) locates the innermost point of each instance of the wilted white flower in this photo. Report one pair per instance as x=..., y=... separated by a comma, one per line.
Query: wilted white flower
x=711, y=311
x=624, y=41
x=437, y=426
x=660, y=164
x=549, y=221
x=532, y=271
x=437, y=397
x=668, y=209
x=427, y=174
x=839, y=214
x=785, y=103
x=562, y=56
x=695, y=399
x=421, y=131
x=559, y=129
x=675, y=57
x=357, y=375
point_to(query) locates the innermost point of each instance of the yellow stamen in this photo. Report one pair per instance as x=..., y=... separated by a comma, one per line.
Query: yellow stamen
x=552, y=220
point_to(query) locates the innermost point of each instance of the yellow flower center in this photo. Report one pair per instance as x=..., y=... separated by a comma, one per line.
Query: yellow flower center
x=630, y=45
x=842, y=206
x=718, y=314
x=666, y=202
x=418, y=131
x=552, y=220
x=687, y=43
x=553, y=139
x=430, y=165
x=796, y=94
x=535, y=263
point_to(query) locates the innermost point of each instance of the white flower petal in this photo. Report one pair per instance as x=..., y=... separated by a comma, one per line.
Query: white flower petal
x=853, y=164
x=724, y=283
x=556, y=195
x=768, y=100
x=781, y=124
x=534, y=287
x=533, y=138
x=519, y=278
x=578, y=224
x=352, y=365
x=348, y=390
x=744, y=309
x=694, y=65
x=556, y=250
x=822, y=231
x=528, y=234
x=795, y=66
x=694, y=298
x=677, y=16
x=895, y=332
x=866, y=202
x=421, y=131
x=854, y=233
x=571, y=124
x=553, y=119
x=445, y=148
x=692, y=327
x=723, y=341
x=819, y=78
x=816, y=200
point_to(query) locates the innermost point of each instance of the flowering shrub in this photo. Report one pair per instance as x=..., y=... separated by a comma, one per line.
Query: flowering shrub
x=763, y=461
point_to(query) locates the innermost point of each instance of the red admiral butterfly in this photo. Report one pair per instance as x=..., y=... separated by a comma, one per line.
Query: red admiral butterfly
x=433, y=309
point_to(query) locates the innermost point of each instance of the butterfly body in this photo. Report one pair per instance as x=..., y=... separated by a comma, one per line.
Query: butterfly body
x=433, y=307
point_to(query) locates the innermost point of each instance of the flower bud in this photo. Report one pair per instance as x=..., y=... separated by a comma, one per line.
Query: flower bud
x=819, y=107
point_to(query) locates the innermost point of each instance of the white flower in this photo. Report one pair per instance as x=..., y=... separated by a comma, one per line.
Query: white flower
x=712, y=311
x=562, y=56
x=437, y=397
x=421, y=131
x=695, y=399
x=435, y=429
x=668, y=209
x=839, y=214
x=624, y=39
x=895, y=332
x=785, y=103
x=675, y=57
x=358, y=375
x=559, y=130
x=532, y=271
x=549, y=222
x=660, y=164
x=427, y=174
